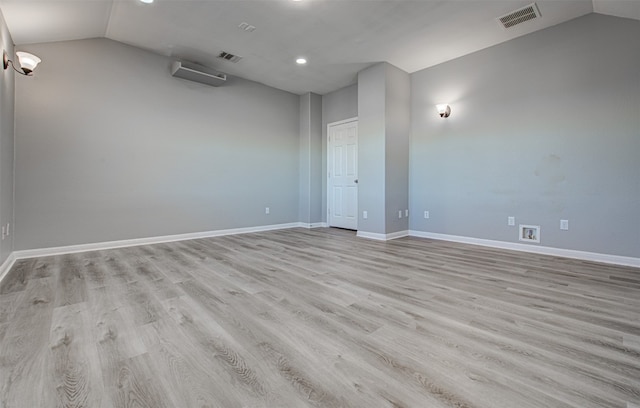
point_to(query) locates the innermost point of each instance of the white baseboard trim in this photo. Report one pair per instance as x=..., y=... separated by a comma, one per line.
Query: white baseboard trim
x=382, y=237
x=566, y=253
x=371, y=235
x=396, y=235
x=313, y=225
x=6, y=265
x=32, y=253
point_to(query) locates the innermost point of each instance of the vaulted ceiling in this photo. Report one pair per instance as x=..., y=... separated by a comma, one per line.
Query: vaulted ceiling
x=337, y=37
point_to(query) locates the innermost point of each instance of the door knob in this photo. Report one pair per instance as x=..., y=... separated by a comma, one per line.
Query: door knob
x=355, y=181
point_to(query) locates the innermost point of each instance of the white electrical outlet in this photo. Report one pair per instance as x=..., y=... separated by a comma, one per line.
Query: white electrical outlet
x=406, y=213
x=266, y=210
x=511, y=221
x=365, y=215
x=399, y=213
x=426, y=214
x=564, y=225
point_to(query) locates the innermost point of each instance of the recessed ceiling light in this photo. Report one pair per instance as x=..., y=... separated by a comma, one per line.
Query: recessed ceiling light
x=301, y=61
x=147, y=1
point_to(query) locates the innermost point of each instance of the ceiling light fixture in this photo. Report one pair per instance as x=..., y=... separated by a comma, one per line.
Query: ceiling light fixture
x=28, y=62
x=301, y=61
x=444, y=110
x=147, y=1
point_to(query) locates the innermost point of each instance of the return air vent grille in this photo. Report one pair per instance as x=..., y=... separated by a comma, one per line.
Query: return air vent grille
x=247, y=27
x=229, y=57
x=519, y=16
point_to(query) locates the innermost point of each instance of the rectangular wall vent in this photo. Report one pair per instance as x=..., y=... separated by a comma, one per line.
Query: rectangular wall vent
x=519, y=16
x=229, y=57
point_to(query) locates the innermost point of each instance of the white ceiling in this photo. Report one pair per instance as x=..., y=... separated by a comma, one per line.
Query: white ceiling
x=338, y=37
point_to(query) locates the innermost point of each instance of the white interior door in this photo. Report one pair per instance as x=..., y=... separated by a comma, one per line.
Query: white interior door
x=342, y=182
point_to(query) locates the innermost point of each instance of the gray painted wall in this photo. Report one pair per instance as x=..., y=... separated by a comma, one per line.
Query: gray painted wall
x=310, y=159
x=7, y=106
x=340, y=105
x=383, y=148
x=544, y=127
x=304, y=182
x=371, y=148
x=397, y=123
x=336, y=106
x=109, y=146
x=315, y=154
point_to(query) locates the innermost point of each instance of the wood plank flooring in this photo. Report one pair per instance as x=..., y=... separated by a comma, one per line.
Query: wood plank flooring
x=318, y=318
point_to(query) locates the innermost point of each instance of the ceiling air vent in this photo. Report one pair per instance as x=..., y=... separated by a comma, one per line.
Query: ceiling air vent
x=247, y=27
x=229, y=57
x=526, y=13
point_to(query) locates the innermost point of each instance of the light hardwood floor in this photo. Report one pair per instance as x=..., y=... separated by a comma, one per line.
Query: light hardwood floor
x=318, y=318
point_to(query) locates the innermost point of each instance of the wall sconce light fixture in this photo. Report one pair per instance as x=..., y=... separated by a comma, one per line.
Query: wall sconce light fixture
x=444, y=110
x=28, y=62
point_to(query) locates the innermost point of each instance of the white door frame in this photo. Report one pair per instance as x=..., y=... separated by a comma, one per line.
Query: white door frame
x=329, y=125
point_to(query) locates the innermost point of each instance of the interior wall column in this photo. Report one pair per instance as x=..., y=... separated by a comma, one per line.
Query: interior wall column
x=383, y=151
x=310, y=159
